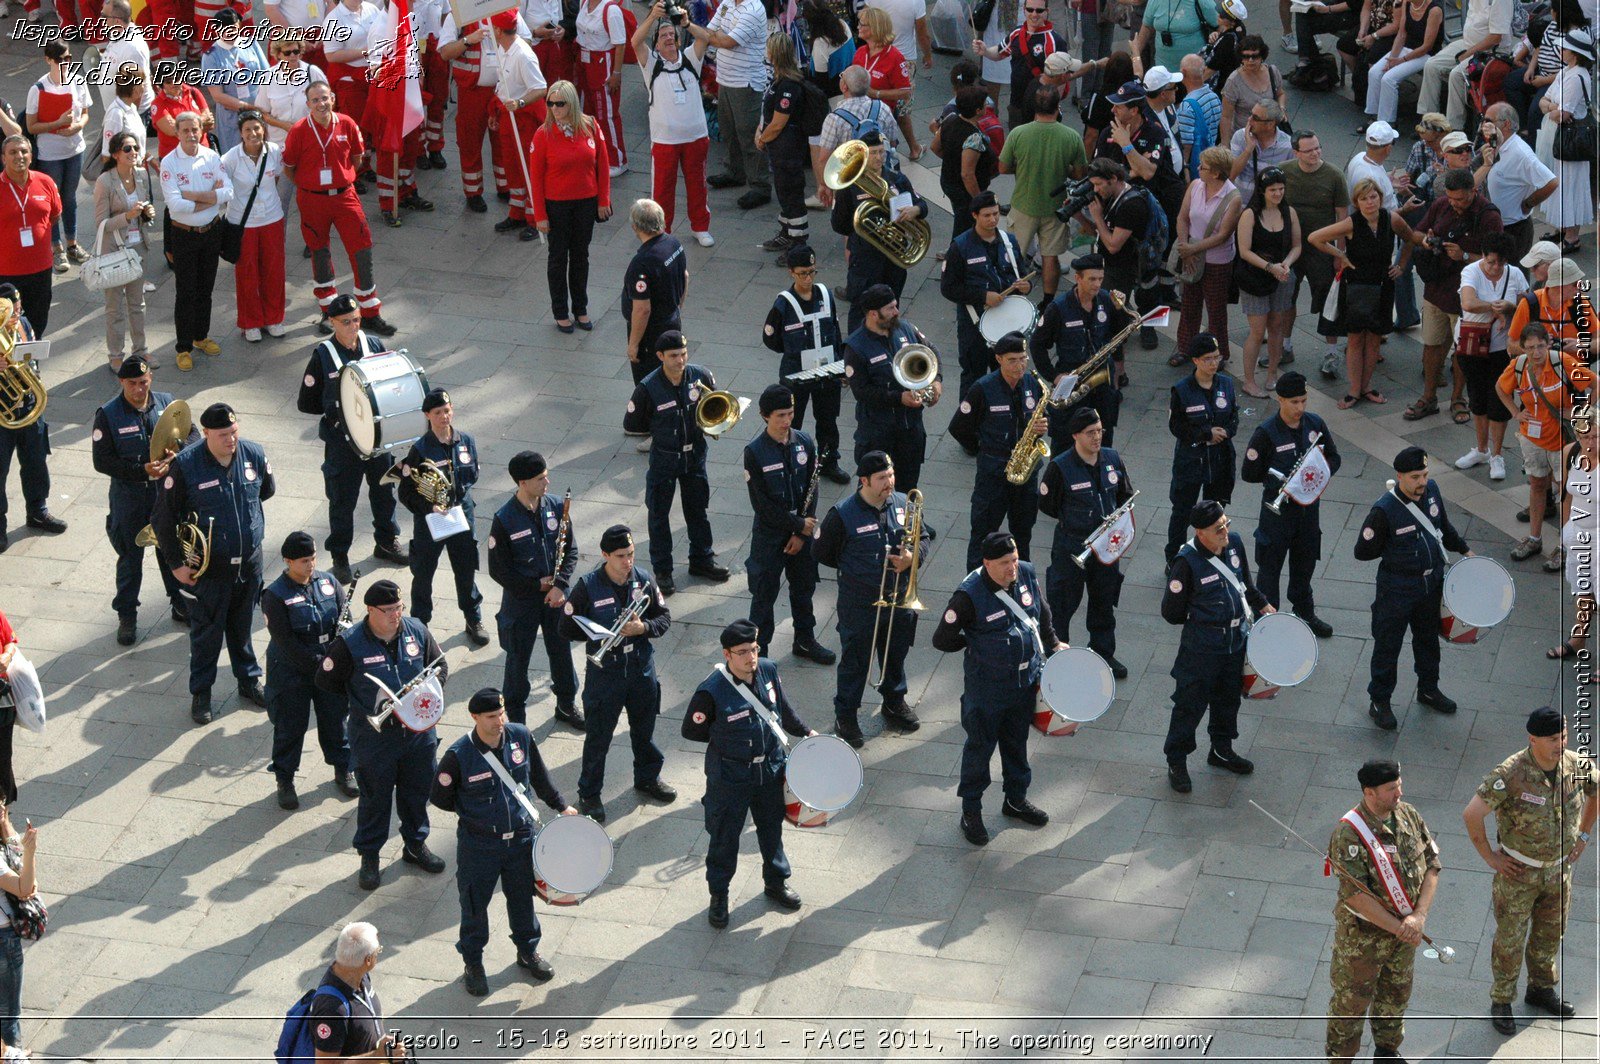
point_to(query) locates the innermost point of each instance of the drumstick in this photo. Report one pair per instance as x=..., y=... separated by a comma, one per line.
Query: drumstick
x=1018, y=281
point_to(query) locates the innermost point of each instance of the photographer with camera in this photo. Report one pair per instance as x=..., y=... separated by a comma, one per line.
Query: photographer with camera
x=679, y=137
x=1119, y=217
x=1512, y=175
x=345, y=1016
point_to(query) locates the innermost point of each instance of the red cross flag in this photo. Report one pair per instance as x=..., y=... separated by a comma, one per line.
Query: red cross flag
x=1114, y=542
x=1311, y=479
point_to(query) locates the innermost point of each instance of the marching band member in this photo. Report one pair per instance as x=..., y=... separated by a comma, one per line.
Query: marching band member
x=1203, y=417
x=1073, y=327
x=475, y=68
x=222, y=483
x=803, y=327
x=737, y=712
x=980, y=269
x=781, y=474
x=534, y=569
x=303, y=609
x=121, y=449
x=1295, y=532
x=994, y=412
x=394, y=765
x=888, y=417
x=999, y=617
x=479, y=778
x=1210, y=593
x=625, y=677
x=663, y=405
x=1081, y=487
x=868, y=267
x=1408, y=532
x=862, y=538
x=455, y=454
x=519, y=110
x=342, y=469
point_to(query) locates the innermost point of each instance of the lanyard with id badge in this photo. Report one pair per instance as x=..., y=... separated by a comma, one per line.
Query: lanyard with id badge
x=25, y=234
x=325, y=175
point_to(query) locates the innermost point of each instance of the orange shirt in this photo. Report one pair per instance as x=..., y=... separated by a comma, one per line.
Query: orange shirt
x=1533, y=379
x=1558, y=320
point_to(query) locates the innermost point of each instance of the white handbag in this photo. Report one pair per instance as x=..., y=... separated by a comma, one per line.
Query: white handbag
x=111, y=269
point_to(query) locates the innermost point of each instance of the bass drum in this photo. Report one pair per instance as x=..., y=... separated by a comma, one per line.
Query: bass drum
x=1280, y=652
x=823, y=777
x=380, y=398
x=1011, y=314
x=1478, y=593
x=1077, y=687
x=571, y=858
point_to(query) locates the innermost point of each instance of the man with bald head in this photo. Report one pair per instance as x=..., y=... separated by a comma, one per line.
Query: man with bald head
x=1199, y=115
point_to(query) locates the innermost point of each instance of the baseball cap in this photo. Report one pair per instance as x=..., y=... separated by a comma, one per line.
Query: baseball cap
x=1158, y=78
x=1380, y=133
x=1130, y=92
x=1452, y=141
x=1543, y=251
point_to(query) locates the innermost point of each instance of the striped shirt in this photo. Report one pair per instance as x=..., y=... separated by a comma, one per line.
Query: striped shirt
x=1199, y=135
x=744, y=67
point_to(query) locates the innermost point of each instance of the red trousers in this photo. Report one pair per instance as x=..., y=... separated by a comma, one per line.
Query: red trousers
x=515, y=131
x=472, y=122
x=602, y=104
x=73, y=13
x=349, y=86
x=436, y=90
x=558, y=60
x=162, y=13
x=665, y=161
x=204, y=12
x=320, y=215
x=388, y=179
x=258, y=285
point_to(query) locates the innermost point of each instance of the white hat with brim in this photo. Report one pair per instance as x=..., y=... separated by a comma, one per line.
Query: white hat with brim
x=1159, y=79
x=1234, y=9
x=1563, y=272
x=1380, y=133
x=1580, y=42
x=1541, y=252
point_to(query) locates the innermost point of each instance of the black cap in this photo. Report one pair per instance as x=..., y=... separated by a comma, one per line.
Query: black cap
x=800, y=255
x=1205, y=514
x=435, y=399
x=776, y=397
x=615, y=538
x=9, y=291
x=218, y=416
x=872, y=138
x=1088, y=262
x=525, y=465
x=1377, y=772
x=671, y=340
x=1203, y=344
x=1082, y=418
x=297, y=545
x=133, y=366
x=877, y=297
x=738, y=634
x=1545, y=722
x=382, y=593
x=873, y=462
x=341, y=305
x=1291, y=385
x=998, y=545
x=1011, y=343
x=983, y=201
x=487, y=700
x=1410, y=460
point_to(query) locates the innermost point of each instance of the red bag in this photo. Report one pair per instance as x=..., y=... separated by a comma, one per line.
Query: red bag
x=630, y=23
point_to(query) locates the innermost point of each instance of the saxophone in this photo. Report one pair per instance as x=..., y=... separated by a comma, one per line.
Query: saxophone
x=1032, y=449
x=1097, y=370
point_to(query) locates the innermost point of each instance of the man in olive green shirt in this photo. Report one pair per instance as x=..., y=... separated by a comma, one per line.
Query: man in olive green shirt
x=1319, y=195
x=1043, y=154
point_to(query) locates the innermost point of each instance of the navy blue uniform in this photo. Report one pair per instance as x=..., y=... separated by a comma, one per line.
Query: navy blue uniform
x=625, y=680
x=853, y=538
x=302, y=620
x=120, y=447
x=677, y=457
x=658, y=274
x=1411, y=564
x=394, y=765
x=990, y=419
x=523, y=545
x=883, y=422
x=342, y=470
x=1200, y=468
x=1080, y=495
x=1068, y=336
x=974, y=267
x=868, y=265
x=494, y=834
x=745, y=760
x=788, y=154
x=794, y=327
x=1296, y=533
x=1209, y=668
x=31, y=445
x=226, y=501
x=778, y=476
x=458, y=460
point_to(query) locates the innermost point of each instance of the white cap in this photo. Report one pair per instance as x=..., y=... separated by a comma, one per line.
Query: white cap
x=1234, y=9
x=1158, y=78
x=1381, y=133
x=1562, y=272
x=1453, y=140
x=1543, y=251
x=1059, y=64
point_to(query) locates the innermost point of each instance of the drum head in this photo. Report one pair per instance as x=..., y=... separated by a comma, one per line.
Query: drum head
x=825, y=773
x=1011, y=314
x=572, y=854
x=1282, y=649
x=1077, y=684
x=355, y=405
x=1479, y=592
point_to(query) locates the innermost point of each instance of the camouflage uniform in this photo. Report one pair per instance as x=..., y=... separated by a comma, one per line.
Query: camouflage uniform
x=1539, y=820
x=1371, y=967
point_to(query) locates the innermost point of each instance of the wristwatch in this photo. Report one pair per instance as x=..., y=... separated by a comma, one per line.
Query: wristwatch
x=1584, y=835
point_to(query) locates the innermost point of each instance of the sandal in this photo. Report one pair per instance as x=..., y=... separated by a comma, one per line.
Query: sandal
x=1459, y=412
x=1253, y=390
x=1420, y=409
x=1565, y=650
x=1372, y=395
x=1348, y=401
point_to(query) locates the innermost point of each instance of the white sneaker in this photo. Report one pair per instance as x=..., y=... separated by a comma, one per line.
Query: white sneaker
x=1473, y=457
x=643, y=446
x=276, y=330
x=705, y=240
x=815, y=204
x=253, y=335
x=1290, y=44
x=1497, y=468
x=618, y=171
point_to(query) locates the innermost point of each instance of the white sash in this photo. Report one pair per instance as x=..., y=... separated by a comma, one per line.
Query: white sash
x=512, y=785
x=1380, y=860
x=1022, y=615
x=333, y=350
x=1233, y=582
x=812, y=357
x=756, y=704
x=1422, y=520
x=1016, y=274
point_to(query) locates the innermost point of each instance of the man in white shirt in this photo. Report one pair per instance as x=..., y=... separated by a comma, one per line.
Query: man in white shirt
x=1487, y=26
x=739, y=34
x=556, y=51
x=910, y=19
x=125, y=43
x=195, y=186
x=519, y=96
x=679, y=137
x=1380, y=140
x=1512, y=176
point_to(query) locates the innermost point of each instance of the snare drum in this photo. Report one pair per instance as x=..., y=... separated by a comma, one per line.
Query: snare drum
x=824, y=776
x=1478, y=593
x=380, y=398
x=1011, y=314
x=1280, y=652
x=571, y=858
x=1077, y=687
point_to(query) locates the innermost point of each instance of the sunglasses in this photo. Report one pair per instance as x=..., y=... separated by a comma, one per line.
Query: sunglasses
x=1252, y=55
x=288, y=51
x=1037, y=10
x=1464, y=149
x=128, y=149
x=558, y=103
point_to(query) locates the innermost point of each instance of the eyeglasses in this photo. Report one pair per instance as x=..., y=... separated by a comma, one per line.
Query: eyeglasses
x=812, y=272
x=1247, y=56
x=396, y=608
x=1309, y=149
x=348, y=319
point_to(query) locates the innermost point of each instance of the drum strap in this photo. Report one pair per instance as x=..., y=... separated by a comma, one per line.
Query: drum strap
x=512, y=785
x=819, y=355
x=333, y=350
x=1380, y=860
x=1233, y=582
x=756, y=704
x=1022, y=615
x=1422, y=521
x=1011, y=258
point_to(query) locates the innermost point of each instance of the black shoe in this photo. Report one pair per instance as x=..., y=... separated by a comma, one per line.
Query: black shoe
x=784, y=895
x=415, y=202
x=423, y=162
x=850, y=732
x=901, y=717
x=1382, y=716
x=287, y=799
x=341, y=570
x=346, y=783
x=665, y=582
x=1231, y=761
x=305, y=251
x=391, y=551
x=834, y=473
x=475, y=979
x=476, y=205
x=528, y=235
x=44, y=521
x=1025, y=811
x=782, y=242
x=361, y=187
x=972, y=827
x=1522, y=515
x=724, y=181
x=594, y=809
x=1380, y=1053
x=1319, y=627
x=477, y=634
x=812, y=650
x=180, y=614
x=392, y=220
x=1178, y=778
x=509, y=225
x=323, y=326
x=1118, y=669
x=251, y=692
x=1148, y=338
x=200, y=708
x=1500, y=1016
x=5, y=542
x=709, y=570
x=535, y=966
x=717, y=915
x=368, y=878
x=377, y=326
x=1546, y=998
x=569, y=713
x=423, y=858
x=661, y=792
x=127, y=631
x=753, y=199
x=1437, y=700
x=437, y=160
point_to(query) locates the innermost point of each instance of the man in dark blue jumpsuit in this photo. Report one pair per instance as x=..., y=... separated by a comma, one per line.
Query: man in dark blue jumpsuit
x=653, y=287
x=869, y=266
x=454, y=454
x=993, y=414
x=781, y=473
x=30, y=444
x=663, y=405
x=803, y=327
x=1082, y=486
x=219, y=484
x=1210, y=593
x=1203, y=417
x=888, y=417
x=863, y=537
x=494, y=831
x=1295, y=531
x=1074, y=327
x=740, y=712
x=342, y=469
x=999, y=617
x=532, y=556
x=982, y=262
x=121, y=450
x=394, y=765
x=1408, y=532
x=625, y=677
x=303, y=608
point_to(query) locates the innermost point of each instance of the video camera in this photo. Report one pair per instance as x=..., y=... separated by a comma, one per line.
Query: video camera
x=1075, y=196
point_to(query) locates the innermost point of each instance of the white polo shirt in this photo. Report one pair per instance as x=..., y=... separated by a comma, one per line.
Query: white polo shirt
x=200, y=172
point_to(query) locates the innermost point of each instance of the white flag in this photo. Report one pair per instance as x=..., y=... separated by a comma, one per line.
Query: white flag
x=1114, y=542
x=1311, y=479
x=422, y=706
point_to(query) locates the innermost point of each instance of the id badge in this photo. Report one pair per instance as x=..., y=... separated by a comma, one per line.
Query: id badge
x=134, y=237
x=1535, y=429
x=26, y=237
x=325, y=177
x=680, y=95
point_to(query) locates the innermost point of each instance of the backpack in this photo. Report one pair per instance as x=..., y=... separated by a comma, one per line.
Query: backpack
x=630, y=23
x=295, y=1045
x=816, y=108
x=1153, y=242
x=859, y=125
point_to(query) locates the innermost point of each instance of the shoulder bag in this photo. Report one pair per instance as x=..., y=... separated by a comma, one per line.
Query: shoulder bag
x=29, y=917
x=232, y=238
x=114, y=268
x=1190, y=270
x=1473, y=339
x=1575, y=137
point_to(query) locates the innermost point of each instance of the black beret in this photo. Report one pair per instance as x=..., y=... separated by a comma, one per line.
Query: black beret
x=877, y=297
x=1205, y=514
x=341, y=305
x=983, y=201
x=297, y=545
x=525, y=465
x=133, y=366
x=873, y=462
x=1088, y=262
x=435, y=399
x=776, y=397
x=1203, y=344
x=1011, y=343
x=1545, y=722
x=218, y=416
x=487, y=700
x=671, y=340
x=998, y=545
x=800, y=255
x=382, y=593
x=9, y=291
x=615, y=538
x=738, y=634
x=1410, y=460
x=872, y=138
x=1082, y=418
x=1377, y=772
x=1292, y=385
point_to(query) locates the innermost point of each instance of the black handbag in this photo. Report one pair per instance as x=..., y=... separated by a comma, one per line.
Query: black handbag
x=29, y=917
x=1252, y=279
x=1575, y=137
x=230, y=242
x=1363, y=307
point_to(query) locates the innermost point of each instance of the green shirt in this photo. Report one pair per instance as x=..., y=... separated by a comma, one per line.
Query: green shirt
x=1042, y=155
x=1314, y=196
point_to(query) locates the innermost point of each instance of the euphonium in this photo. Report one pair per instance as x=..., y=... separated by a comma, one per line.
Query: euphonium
x=194, y=545
x=1097, y=369
x=1032, y=449
x=717, y=412
x=19, y=380
x=904, y=243
x=915, y=367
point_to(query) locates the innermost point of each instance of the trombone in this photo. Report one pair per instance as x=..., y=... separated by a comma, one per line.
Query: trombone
x=890, y=596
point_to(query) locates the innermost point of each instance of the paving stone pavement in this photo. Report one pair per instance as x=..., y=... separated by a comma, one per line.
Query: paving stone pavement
x=188, y=911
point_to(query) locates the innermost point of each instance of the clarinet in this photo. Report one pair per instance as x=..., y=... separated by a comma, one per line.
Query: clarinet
x=563, y=535
x=811, y=488
x=346, y=619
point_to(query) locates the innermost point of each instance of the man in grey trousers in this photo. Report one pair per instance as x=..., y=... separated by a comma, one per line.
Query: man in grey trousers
x=739, y=32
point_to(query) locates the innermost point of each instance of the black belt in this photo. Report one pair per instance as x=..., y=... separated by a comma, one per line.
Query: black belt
x=341, y=190
x=487, y=833
x=744, y=761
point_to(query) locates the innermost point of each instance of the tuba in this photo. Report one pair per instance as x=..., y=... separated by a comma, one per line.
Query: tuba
x=915, y=367
x=717, y=412
x=904, y=243
x=19, y=383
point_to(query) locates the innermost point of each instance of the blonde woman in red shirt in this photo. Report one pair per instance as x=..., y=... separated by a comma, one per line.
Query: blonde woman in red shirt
x=571, y=175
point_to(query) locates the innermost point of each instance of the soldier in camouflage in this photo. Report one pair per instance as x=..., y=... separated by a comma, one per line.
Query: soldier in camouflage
x=1544, y=802
x=1383, y=845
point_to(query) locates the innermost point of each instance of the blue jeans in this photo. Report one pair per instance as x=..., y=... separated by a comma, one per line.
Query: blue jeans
x=10, y=986
x=65, y=173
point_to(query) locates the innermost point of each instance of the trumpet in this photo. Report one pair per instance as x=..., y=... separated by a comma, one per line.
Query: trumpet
x=392, y=699
x=430, y=480
x=636, y=607
x=903, y=243
x=888, y=596
x=1276, y=505
x=19, y=385
x=1081, y=559
x=915, y=368
x=1097, y=369
x=717, y=412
